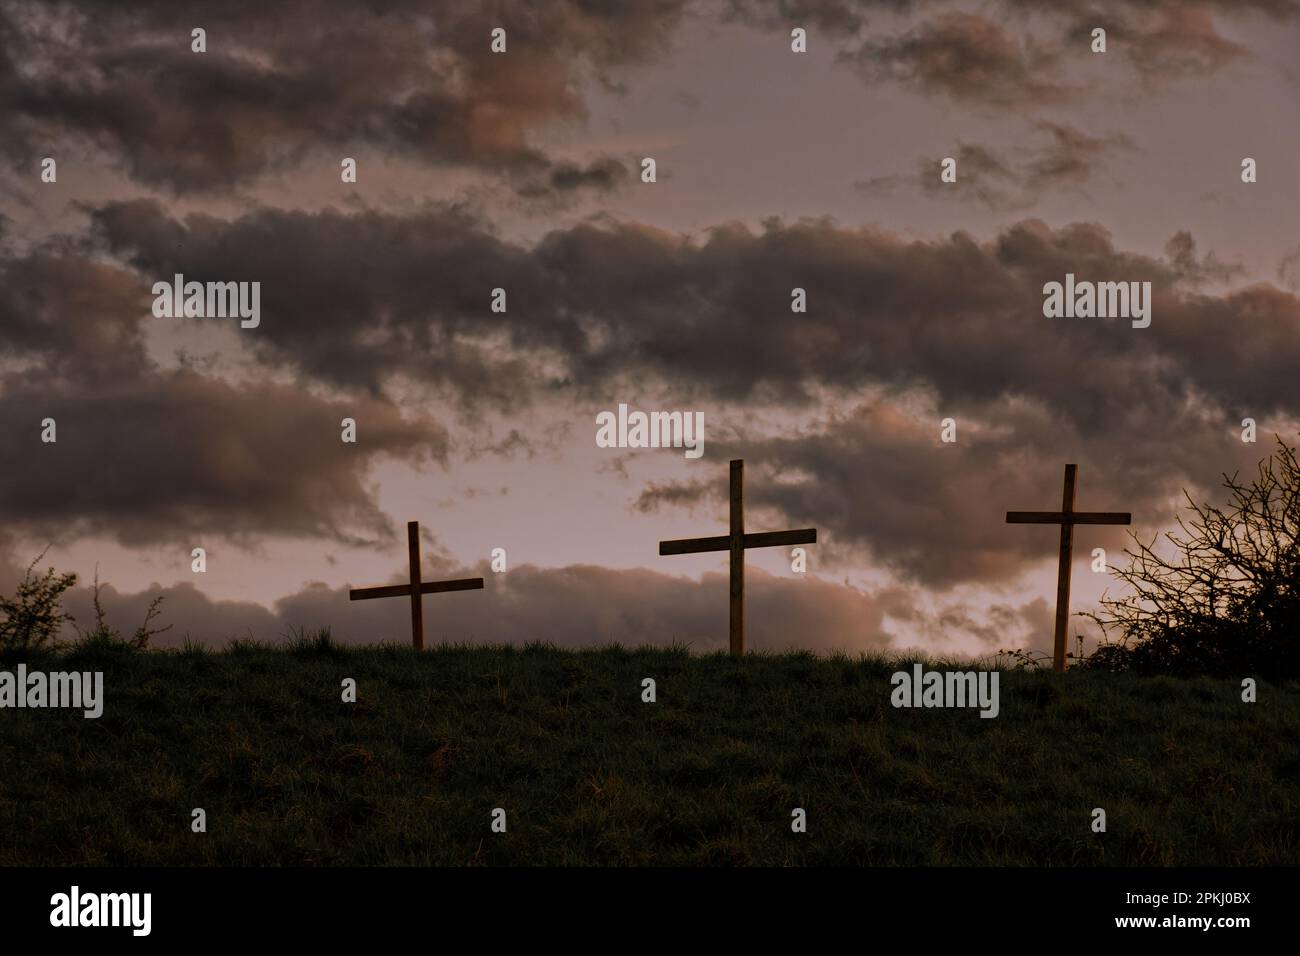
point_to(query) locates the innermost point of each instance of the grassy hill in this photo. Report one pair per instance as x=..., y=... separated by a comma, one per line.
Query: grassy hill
x=589, y=774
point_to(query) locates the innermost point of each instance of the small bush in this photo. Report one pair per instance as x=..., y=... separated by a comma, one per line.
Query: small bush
x=104, y=634
x=33, y=617
x=1222, y=597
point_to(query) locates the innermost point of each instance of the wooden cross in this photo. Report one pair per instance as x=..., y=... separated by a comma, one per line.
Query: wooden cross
x=736, y=542
x=416, y=588
x=1067, y=518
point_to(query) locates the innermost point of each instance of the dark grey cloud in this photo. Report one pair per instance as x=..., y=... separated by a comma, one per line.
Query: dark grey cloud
x=605, y=307
x=365, y=304
x=969, y=58
x=145, y=454
x=984, y=176
x=410, y=295
x=1193, y=270
x=881, y=488
x=294, y=81
x=1017, y=54
x=387, y=296
x=282, y=80
x=1162, y=40
x=616, y=302
x=175, y=456
x=1005, y=180
x=1169, y=39
x=981, y=175
x=563, y=180
x=1187, y=42
x=76, y=317
x=1144, y=416
x=884, y=185
x=834, y=17
x=1071, y=158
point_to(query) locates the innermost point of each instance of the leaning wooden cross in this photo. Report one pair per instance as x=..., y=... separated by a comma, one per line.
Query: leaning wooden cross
x=1067, y=518
x=736, y=542
x=416, y=587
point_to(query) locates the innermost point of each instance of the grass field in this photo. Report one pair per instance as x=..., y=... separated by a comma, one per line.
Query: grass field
x=589, y=774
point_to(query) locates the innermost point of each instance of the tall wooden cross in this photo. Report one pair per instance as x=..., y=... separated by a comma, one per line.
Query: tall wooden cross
x=1067, y=518
x=736, y=542
x=416, y=588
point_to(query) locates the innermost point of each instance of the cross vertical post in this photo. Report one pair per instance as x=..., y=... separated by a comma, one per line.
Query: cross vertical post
x=417, y=612
x=736, y=629
x=1063, y=569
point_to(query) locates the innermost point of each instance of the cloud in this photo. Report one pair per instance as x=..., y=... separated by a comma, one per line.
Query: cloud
x=1163, y=40
x=1071, y=158
x=186, y=612
x=995, y=627
x=1187, y=41
x=293, y=82
x=175, y=456
x=1016, y=180
x=11, y=568
x=834, y=17
x=884, y=492
x=968, y=58
x=409, y=296
x=1018, y=54
x=389, y=295
x=1167, y=41
x=1288, y=270
x=952, y=326
x=982, y=176
x=77, y=318
x=882, y=185
x=146, y=454
x=1181, y=252
x=280, y=81
x=562, y=181
x=574, y=606
x=1144, y=416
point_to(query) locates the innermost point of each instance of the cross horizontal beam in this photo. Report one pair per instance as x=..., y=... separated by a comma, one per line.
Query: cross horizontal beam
x=404, y=590
x=1069, y=517
x=722, y=542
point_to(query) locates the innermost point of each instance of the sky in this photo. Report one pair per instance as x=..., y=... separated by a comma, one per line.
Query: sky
x=522, y=170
